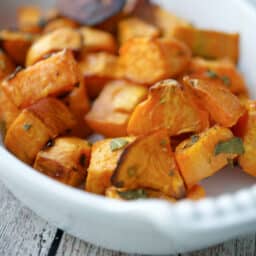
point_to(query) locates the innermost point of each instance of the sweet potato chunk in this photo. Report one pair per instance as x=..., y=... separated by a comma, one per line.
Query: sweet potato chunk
x=149, y=162
x=36, y=126
x=246, y=129
x=223, y=70
x=16, y=44
x=98, y=40
x=98, y=69
x=104, y=158
x=141, y=193
x=59, y=23
x=202, y=155
x=197, y=192
x=29, y=18
x=210, y=44
x=112, y=109
x=6, y=65
x=169, y=107
x=64, y=38
x=147, y=60
x=66, y=161
x=135, y=27
x=51, y=77
x=223, y=106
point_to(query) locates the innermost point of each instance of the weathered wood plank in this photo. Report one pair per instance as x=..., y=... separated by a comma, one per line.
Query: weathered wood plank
x=21, y=231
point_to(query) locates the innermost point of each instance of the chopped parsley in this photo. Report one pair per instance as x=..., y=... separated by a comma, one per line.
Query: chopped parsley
x=27, y=127
x=117, y=144
x=211, y=74
x=226, y=80
x=194, y=139
x=163, y=142
x=133, y=194
x=232, y=146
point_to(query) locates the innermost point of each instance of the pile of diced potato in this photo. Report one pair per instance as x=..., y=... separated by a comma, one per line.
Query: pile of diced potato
x=166, y=96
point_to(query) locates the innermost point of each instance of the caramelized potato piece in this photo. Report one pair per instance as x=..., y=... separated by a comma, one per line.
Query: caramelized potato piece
x=6, y=65
x=147, y=60
x=63, y=38
x=202, y=155
x=246, y=128
x=35, y=127
x=169, y=107
x=197, y=192
x=149, y=162
x=134, y=27
x=223, y=70
x=112, y=109
x=59, y=23
x=51, y=77
x=16, y=44
x=66, y=161
x=141, y=193
x=98, y=40
x=223, y=106
x=104, y=159
x=210, y=44
x=29, y=19
x=78, y=103
x=98, y=69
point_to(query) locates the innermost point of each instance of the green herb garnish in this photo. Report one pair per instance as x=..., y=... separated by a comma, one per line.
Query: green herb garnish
x=27, y=127
x=42, y=22
x=226, y=80
x=133, y=194
x=211, y=74
x=163, y=142
x=118, y=143
x=194, y=139
x=162, y=100
x=232, y=146
x=2, y=65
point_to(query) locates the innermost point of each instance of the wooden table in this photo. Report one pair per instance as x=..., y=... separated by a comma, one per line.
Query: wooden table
x=23, y=233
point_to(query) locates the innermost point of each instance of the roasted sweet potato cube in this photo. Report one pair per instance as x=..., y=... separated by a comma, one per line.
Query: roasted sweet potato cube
x=223, y=106
x=202, y=155
x=59, y=23
x=51, y=77
x=98, y=69
x=167, y=106
x=63, y=38
x=111, y=111
x=29, y=19
x=98, y=40
x=147, y=60
x=16, y=44
x=223, y=70
x=134, y=27
x=210, y=44
x=246, y=129
x=149, y=162
x=78, y=103
x=134, y=194
x=6, y=65
x=66, y=161
x=104, y=159
x=36, y=126
x=197, y=192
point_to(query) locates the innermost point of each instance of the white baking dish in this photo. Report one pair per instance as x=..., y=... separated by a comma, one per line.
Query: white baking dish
x=152, y=227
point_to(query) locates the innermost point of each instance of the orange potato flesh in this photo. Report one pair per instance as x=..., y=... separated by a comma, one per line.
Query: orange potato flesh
x=16, y=44
x=169, y=107
x=223, y=69
x=223, y=106
x=112, y=109
x=98, y=40
x=102, y=165
x=63, y=38
x=135, y=27
x=66, y=161
x=51, y=77
x=98, y=69
x=59, y=23
x=210, y=44
x=197, y=160
x=197, y=192
x=148, y=60
x=6, y=65
x=113, y=192
x=246, y=128
x=149, y=163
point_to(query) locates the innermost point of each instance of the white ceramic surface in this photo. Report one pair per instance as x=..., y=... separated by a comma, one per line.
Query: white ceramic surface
x=152, y=227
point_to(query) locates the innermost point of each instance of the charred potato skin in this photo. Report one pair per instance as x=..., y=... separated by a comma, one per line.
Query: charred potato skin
x=66, y=161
